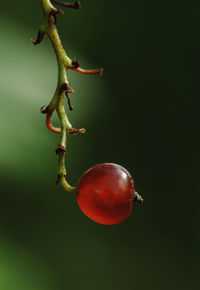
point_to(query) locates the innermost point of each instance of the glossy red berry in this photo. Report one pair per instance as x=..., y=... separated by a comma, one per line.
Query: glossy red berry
x=105, y=193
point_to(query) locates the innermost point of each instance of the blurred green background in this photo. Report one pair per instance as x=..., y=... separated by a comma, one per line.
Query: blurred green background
x=142, y=114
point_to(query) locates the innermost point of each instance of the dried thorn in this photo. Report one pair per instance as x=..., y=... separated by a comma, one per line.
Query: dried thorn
x=44, y=110
x=74, y=131
x=54, y=12
x=138, y=198
x=75, y=64
x=63, y=88
x=58, y=180
x=40, y=37
x=66, y=89
x=73, y=5
x=69, y=102
x=70, y=90
x=60, y=149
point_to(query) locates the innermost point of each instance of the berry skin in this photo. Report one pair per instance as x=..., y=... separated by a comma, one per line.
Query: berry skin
x=105, y=193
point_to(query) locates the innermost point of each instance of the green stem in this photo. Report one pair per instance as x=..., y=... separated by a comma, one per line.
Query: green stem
x=65, y=124
x=48, y=28
x=62, y=173
x=57, y=102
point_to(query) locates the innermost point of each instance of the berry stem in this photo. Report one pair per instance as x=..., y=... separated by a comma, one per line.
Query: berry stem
x=48, y=28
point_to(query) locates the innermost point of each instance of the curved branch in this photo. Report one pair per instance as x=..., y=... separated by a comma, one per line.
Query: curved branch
x=66, y=185
x=49, y=125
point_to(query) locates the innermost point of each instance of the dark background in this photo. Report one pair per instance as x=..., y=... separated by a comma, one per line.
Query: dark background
x=142, y=114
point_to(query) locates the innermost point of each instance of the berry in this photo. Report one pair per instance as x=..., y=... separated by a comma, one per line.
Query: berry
x=105, y=193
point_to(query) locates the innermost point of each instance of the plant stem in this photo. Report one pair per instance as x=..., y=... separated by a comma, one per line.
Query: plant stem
x=57, y=102
x=48, y=28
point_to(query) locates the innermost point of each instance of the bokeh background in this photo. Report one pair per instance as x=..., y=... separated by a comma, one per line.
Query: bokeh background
x=142, y=114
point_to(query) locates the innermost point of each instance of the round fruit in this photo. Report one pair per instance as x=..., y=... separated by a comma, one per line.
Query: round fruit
x=105, y=193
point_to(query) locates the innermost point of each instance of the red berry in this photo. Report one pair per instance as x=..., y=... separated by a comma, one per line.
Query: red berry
x=105, y=193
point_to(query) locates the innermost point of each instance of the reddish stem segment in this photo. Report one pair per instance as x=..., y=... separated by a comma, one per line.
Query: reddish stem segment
x=49, y=125
x=88, y=71
x=72, y=131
